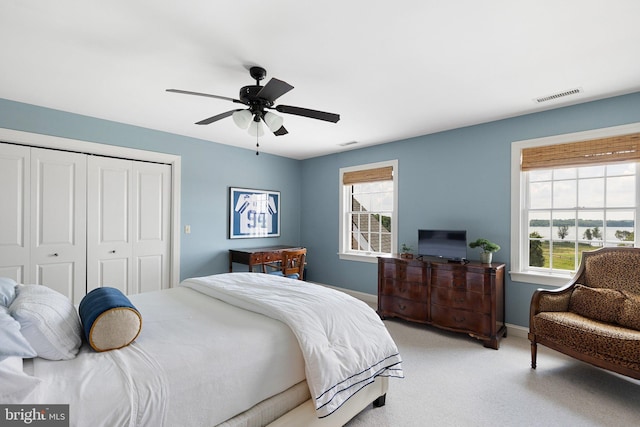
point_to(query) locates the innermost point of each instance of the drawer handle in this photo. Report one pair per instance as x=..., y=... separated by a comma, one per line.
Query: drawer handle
x=459, y=300
x=402, y=307
x=458, y=319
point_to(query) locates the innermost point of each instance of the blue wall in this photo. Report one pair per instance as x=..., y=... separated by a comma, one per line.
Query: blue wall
x=458, y=179
x=455, y=179
x=208, y=169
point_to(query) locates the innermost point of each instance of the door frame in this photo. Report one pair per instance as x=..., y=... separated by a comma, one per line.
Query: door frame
x=66, y=144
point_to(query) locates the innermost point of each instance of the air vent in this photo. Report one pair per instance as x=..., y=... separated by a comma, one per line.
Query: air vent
x=558, y=95
x=345, y=144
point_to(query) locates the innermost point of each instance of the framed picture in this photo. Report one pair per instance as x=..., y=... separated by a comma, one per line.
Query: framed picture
x=253, y=213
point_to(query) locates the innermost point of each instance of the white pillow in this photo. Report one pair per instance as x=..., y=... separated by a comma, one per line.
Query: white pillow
x=49, y=321
x=7, y=291
x=13, y=343
x=16, y=385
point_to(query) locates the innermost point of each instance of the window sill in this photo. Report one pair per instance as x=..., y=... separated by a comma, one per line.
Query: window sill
x=540, y=278
x=373, y=258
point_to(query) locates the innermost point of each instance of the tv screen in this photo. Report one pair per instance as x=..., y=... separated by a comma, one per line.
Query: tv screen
x=448, y=244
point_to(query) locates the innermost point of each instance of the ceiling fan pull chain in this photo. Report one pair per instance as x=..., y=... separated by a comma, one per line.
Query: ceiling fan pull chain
x=257, y=146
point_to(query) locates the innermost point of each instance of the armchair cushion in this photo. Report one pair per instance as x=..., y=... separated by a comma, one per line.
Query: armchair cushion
x=630, y=312
x=615, y=344
x=597, y=303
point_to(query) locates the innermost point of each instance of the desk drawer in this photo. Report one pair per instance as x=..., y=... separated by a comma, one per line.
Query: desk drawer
x=271, y=256
x=256, y=258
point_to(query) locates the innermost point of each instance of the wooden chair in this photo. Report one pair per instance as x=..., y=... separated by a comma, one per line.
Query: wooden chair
x=292, y=265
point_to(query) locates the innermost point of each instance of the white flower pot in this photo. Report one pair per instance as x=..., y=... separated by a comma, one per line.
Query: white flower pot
x=485, y=257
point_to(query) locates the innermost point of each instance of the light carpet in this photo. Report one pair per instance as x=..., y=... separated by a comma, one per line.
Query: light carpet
x=453, y=380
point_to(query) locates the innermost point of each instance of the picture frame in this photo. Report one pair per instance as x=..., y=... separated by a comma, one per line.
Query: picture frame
x=253, y=213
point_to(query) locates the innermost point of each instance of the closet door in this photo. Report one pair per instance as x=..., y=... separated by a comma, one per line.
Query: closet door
x=128, y=225
x=110, y=223
x=58, y=221
x=14, y=214
x=152, y=264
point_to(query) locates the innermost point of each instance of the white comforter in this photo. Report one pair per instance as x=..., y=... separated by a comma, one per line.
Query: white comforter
x=344, y=343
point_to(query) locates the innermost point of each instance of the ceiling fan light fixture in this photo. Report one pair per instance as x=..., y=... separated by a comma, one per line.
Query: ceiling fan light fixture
x=242, y=118
x=273, y=121
x=256, y=129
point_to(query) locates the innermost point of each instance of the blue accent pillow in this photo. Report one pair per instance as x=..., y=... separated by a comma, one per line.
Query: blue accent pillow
x=7, y=291
x=109, y=319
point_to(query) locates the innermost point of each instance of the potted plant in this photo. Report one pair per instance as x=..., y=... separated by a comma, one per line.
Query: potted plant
x=406, y=251
x=488, y=248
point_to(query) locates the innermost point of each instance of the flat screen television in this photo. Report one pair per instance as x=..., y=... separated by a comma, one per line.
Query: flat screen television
x=446, y=244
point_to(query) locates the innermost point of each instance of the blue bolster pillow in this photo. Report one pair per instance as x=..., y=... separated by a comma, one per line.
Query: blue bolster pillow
x=109, y=319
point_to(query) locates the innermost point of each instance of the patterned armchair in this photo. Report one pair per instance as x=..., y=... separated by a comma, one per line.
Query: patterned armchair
x=596, y=316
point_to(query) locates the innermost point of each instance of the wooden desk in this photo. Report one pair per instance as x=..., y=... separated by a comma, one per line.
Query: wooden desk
x=257, y=256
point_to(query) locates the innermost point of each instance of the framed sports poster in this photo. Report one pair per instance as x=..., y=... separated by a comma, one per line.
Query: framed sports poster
x=253, y=213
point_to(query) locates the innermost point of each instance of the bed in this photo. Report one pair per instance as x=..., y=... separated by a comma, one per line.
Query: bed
x=230, y=349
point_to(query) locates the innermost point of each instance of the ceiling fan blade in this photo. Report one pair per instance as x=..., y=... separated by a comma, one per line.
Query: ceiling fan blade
x=305, y=112
x=216, y=118
x=188, y=92
x=281, y=131
x=274, y=89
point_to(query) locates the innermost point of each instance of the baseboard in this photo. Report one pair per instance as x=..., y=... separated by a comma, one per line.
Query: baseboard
x=512, y=330
x=362, y=296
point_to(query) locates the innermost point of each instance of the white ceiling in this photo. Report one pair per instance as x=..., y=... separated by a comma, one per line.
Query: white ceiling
x=392, y=70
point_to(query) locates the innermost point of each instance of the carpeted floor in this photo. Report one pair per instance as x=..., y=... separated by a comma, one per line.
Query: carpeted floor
x=452, y=380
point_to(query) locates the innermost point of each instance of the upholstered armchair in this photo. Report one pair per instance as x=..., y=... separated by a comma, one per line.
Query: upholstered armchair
x=596, y=316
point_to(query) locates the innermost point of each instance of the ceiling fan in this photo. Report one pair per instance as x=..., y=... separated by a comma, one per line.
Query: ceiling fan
x=259, y=99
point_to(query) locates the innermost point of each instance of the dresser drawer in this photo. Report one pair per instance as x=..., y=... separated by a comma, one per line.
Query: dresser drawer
x=465, y=320
x=473, y=301
x=403, y=289
x=411, y=271
x=401, y=307
x=460, y=279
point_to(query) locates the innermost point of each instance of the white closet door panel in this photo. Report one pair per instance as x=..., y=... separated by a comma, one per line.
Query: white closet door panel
x=14, y=214
x=153, y=225
x=57, y=276
x=115, y=273
x=151, y=272
x=110, y=224
x=58, y=222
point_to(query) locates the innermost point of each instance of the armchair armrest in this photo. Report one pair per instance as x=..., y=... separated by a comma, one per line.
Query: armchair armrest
x=550, y=300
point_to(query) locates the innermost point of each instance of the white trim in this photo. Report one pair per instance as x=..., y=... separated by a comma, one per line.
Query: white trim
x=67, y=144
x=342, y=238
x=517, y=192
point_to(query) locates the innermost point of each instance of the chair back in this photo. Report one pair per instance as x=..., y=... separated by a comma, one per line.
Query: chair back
x=293, y=262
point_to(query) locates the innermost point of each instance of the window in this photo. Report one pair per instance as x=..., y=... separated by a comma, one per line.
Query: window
x=572, y=193
x=368, y=211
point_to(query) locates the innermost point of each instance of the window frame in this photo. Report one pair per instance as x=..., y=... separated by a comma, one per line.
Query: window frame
x=344, y=253
x=520, y=241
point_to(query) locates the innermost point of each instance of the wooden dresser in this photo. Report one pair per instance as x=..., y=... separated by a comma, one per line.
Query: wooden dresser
x=458, y=297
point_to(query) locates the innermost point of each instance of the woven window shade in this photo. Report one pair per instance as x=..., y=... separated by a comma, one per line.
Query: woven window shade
x=368, y=175
x=621, y=148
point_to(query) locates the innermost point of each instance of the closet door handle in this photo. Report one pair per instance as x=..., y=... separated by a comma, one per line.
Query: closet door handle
x=54, y=254
x=112, y=252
